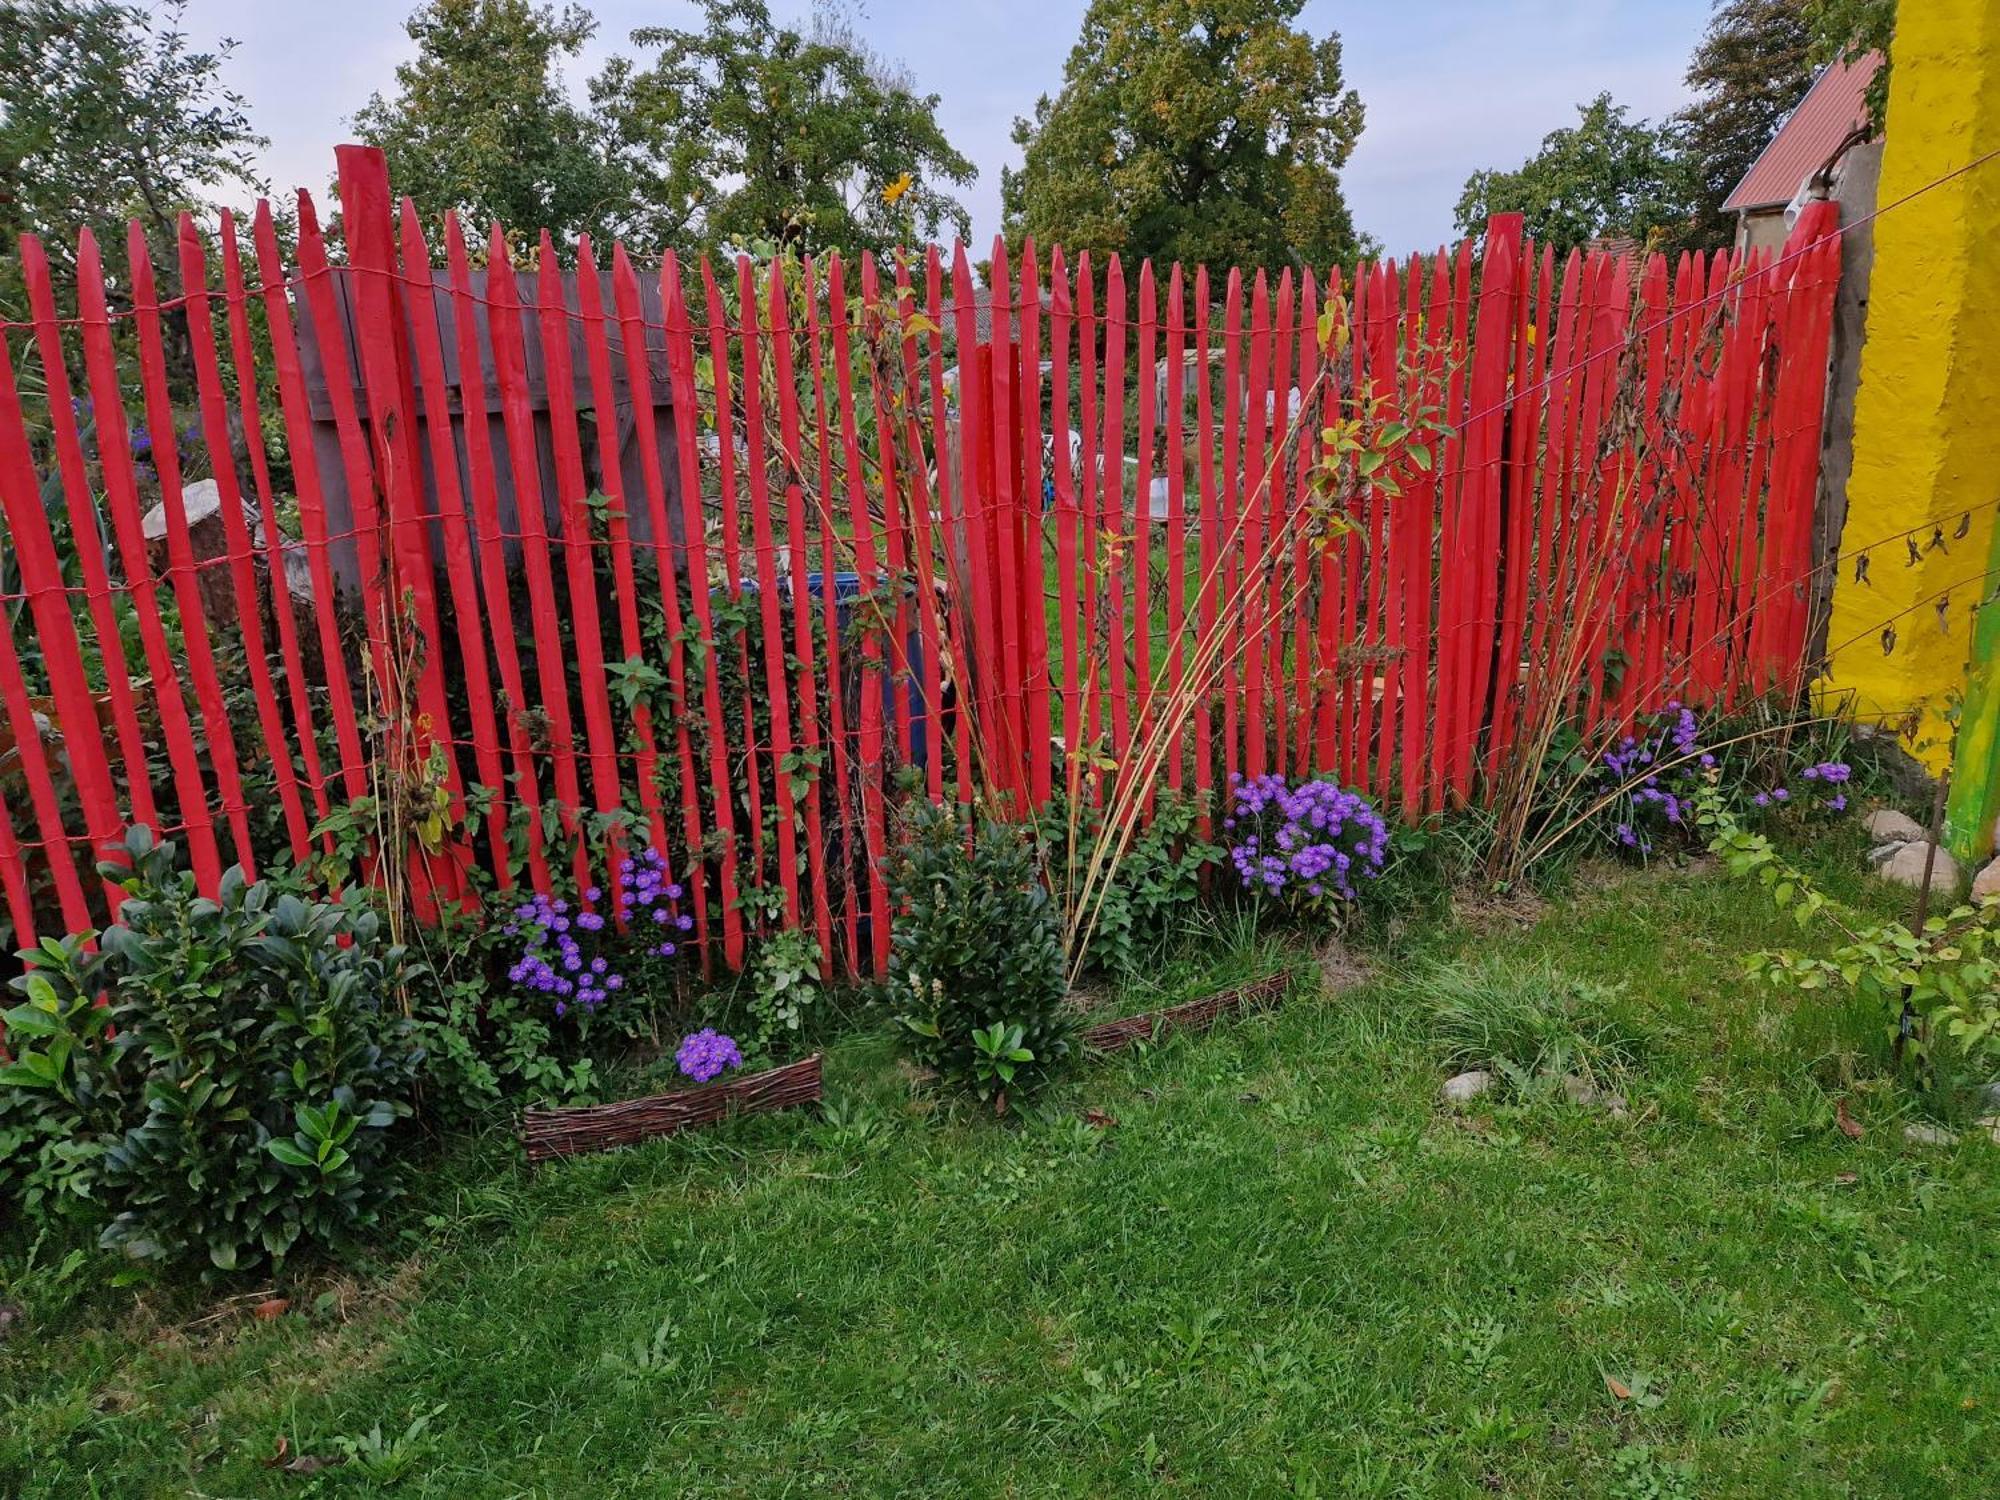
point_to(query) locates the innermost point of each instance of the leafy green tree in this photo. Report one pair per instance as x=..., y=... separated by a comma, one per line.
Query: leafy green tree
x=1849, y=30
x=1604, y=176
x=1197, y=130
x=480, y=121
x=1752, y=67
x=109, y=114
x=748, y=131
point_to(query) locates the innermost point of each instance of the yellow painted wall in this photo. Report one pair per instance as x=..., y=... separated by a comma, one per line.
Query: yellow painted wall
x=1926, y=481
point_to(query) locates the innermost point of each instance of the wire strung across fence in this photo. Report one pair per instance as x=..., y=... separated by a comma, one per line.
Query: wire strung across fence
x=531, y=563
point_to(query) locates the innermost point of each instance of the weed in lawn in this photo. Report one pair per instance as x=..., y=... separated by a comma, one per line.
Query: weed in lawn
x=387, y=1460
x=1640, y=1472
x=1532, y=1024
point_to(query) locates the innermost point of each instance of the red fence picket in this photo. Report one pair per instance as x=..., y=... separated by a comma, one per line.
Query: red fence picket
x=904, y=535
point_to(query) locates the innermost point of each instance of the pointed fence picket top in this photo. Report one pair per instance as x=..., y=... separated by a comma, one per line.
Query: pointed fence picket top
x=565, y=552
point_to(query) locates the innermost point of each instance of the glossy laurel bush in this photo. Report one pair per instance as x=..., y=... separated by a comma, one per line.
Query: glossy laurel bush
x=239, y=1107
x=976, y=945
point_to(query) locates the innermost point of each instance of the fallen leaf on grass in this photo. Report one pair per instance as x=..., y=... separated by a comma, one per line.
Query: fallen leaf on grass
x=1102, y=1119
x=305, y=1463
x=1846, y=1179
x=272, y=1307
x=1849, y=1126
x=1618, y=1387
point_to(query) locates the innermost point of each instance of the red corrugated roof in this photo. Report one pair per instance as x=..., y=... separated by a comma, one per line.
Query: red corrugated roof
x=1831, y=108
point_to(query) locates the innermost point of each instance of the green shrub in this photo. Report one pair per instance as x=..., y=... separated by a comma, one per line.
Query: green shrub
x=485, y=1042
x=1157, y=879
x=240, y=1108
x=59, y=1100
x=976, y=946
x=786, y=974
x=1935, y=992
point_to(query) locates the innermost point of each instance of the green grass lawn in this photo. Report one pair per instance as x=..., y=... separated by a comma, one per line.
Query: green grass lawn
x=1284, y=1270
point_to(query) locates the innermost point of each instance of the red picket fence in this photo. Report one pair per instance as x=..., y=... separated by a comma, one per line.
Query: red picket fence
x=729, y=559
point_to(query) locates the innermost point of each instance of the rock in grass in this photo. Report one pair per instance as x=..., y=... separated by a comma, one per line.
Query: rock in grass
x=1906, y=867
x=1581, y=1091
x=1991, y=1125
x=1987, y=881
x=1887, y=826
x=1463, y=1088
x=1918, y=1134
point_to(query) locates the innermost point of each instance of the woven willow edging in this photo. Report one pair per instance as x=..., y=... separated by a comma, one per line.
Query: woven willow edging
x=1196, y=1015
x=548, y=1133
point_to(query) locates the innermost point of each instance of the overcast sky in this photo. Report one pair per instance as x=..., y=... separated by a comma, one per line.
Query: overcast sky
x=1450, y=86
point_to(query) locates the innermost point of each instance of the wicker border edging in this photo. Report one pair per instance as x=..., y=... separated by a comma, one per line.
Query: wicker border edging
x=1196, y=1015
x=551, y=1133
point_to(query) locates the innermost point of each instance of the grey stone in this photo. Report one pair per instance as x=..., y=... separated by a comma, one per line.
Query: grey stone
x=1463, y=1088
x=1929, y=1135
x=1991, y=1125
x=1987, y=881
x=1887, y=826
x=1582, y=1092
x=1906, y=867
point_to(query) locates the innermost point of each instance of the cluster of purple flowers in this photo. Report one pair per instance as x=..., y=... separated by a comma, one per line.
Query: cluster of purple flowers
x=567, y=952
x=1832, y=777
x=1307, y=841
x=1664, y=762
x=646, y=900
x=706, y=1054
x=187, y=440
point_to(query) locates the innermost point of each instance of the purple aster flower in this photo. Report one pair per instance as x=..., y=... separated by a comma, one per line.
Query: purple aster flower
x=707, y=1054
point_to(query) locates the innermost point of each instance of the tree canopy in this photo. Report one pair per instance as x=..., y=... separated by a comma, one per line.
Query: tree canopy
x=1605, y=176
x=480, y=121
x=109, y=114
x=746, y=131
x=1196, y=130
x=1749, y=72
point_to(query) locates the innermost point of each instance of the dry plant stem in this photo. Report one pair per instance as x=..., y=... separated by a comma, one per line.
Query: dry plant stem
x=1137, y=778
x=1552, y=690
x=1547, y=707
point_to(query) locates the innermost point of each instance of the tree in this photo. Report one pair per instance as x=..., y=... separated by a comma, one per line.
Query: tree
x=748, y=131
x=481, y=123
x=1207, y=131
x=1605, y=176
x=1752, y=67
x=109, y=115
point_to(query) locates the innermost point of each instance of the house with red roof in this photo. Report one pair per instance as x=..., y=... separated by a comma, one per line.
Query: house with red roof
x=1805, y=155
